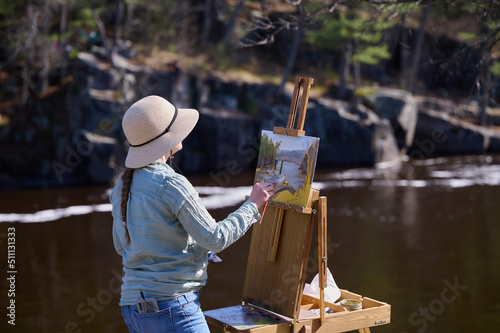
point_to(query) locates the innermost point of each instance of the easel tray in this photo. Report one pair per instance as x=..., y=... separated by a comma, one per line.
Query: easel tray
x=252, y=319
x=373, y=313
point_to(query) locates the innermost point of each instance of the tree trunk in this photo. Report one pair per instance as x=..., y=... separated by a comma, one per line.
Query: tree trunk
x=345, y=64
x=483, y=83
x=63, y=28
x=404, y=51
x=32, y=20
x=484, y=95
x=357, y=84
x=207, y=23
x=148, y=29
x=118, y=23
x=128, y=20
x=26, y=79
x=357, y=75
x=418, y=49
x=43, y=85
x=232, y=23
x=484, y=80
x=293, y=54
x=184, y=28
x=117, y=30
x=101, y=27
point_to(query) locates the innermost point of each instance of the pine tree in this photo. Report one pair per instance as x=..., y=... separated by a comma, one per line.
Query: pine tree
x=357, y=36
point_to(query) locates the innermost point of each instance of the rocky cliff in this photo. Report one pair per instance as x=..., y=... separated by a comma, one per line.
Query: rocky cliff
x=74, y=135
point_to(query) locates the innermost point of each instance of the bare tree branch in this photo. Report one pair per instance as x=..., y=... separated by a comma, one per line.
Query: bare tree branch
x=33, y=24
x=100, y=26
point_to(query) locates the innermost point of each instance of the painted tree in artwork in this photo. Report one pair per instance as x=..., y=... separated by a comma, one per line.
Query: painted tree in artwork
x=268, y=151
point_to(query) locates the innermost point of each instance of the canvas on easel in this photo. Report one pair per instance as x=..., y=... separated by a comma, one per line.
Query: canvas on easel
x=288, y=162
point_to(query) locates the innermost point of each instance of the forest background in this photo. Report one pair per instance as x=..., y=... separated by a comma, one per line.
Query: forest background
x=445, y=49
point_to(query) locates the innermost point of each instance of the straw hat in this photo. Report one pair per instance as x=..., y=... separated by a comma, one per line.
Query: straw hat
x=153, y=126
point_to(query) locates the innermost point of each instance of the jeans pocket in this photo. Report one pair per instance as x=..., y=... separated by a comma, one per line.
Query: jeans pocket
x=194, y=319
x=190, y=304
x=191, y=308
x=160, y=321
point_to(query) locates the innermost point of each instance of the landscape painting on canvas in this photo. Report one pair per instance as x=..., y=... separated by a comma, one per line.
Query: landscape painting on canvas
x=289, y=162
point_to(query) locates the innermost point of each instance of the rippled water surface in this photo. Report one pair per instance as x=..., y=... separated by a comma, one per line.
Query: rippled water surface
x=423, y=236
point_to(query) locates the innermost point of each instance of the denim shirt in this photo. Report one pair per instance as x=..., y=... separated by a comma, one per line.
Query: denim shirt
x=170, y=234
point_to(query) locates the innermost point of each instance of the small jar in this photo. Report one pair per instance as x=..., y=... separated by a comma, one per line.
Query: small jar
x=351, y=304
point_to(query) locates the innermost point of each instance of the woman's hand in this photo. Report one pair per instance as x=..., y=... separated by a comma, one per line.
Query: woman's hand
x=261, y=192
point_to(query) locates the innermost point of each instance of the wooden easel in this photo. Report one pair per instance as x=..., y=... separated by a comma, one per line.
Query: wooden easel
x=285, y=233
x=277, y=262
x=303, y=84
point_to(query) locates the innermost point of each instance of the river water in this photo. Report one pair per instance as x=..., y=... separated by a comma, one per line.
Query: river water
x=423, y=237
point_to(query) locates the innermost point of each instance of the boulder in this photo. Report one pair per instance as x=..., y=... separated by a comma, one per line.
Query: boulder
x=399, y=107
x=346, y=139
x=439, y=134
x=100, y=154
x=384, y=143
x=223, y=140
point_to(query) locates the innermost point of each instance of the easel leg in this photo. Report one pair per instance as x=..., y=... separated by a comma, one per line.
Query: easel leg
x=364, y=330
x=322, y=255
x=305, y=329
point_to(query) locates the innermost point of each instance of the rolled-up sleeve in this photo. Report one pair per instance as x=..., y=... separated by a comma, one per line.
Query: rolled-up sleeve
x=201, y=226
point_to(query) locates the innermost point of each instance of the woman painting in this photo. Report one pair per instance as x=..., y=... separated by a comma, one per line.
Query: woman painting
x=160, y=227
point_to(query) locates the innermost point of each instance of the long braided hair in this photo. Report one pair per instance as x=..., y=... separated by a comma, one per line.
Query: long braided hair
x=127, y=181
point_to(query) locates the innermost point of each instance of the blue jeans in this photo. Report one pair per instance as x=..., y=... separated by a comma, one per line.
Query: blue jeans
x=181, y=314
